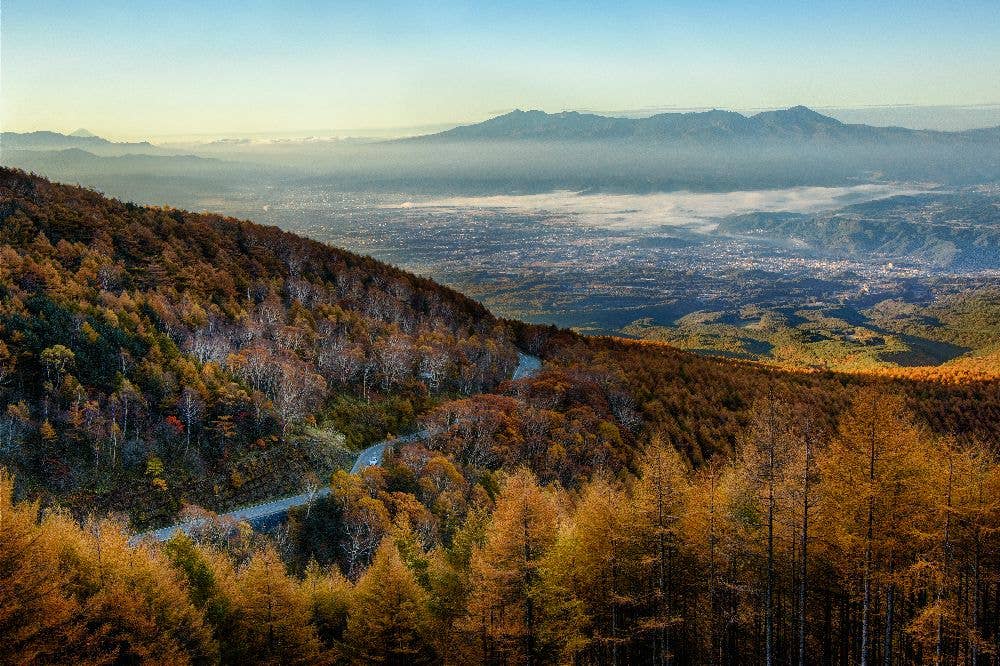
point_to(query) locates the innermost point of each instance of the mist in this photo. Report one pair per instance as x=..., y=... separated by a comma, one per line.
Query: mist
x=697, y=211
x=439, y=168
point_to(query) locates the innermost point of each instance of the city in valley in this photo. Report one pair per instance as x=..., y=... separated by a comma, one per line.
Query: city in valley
x=494, y=334
x=681, y=267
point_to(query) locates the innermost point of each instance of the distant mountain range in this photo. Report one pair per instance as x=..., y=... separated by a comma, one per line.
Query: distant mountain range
x=533, y=151
x=952, y=231
x=85, y=160
x=130, y=171
x=796, y=124
x=81, y=139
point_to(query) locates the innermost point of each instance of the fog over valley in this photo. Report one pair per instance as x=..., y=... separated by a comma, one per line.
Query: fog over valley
x=603, y=334
x=645, y=212
x=599, y=222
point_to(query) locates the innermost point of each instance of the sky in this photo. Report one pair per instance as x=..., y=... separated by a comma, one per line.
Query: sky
x=141, y=69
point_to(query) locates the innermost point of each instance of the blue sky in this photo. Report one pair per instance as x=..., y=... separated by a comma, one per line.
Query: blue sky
x=138, y=68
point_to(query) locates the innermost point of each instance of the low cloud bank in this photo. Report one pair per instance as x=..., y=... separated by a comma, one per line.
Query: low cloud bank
x=693, y=210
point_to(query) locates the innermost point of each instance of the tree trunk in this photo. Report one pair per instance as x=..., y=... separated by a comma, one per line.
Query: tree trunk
x=713, y=632
x=769, y=595
x=975, y=601
x=939, y=647
x=890, y=603
x=867, y=600
x=663, y=602
x=804, y=548
x=529, y=608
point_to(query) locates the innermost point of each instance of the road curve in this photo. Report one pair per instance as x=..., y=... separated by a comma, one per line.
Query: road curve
x=269, y=513
x=373, y=454
x=527, y=365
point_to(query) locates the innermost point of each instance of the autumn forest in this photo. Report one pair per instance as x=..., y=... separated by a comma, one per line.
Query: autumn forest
x=630, y=503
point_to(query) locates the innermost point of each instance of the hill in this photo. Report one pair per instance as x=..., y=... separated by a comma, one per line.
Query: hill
x=151, y=358
x=85, y=163
x=80, y=140
x=957, y=231
x=152, y=177
x=715, y=151
x=133, y=336
x=797, y=125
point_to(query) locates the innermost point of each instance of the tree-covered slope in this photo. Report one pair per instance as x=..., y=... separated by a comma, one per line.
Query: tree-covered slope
x=630, y=501
x=153, y=356
x=958, y=231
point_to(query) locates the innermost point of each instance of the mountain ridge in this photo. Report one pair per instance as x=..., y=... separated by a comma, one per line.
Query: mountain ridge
x=794, y=123
x=80, y=139
x=95, y=279
x=248, y=356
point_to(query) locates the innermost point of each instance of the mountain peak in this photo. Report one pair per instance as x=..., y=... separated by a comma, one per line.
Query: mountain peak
x=796, y=124
x=83, y=134
x=797, y=115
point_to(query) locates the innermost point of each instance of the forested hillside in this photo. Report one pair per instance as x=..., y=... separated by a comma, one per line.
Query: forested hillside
x=153, y=355
x=806, y=546
x=630, y=503
x=956, y=231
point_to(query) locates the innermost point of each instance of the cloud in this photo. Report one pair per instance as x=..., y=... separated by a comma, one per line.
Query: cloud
x=693, y=210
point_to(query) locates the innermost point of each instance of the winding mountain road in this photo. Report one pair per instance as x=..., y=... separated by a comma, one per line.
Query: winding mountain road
x=527, y=365
x=373, y=454
x=270, y=513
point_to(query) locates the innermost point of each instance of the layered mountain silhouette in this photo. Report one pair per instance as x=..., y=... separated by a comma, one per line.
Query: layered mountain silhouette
x=797, y=123
x=533, y=151
x=80, y=139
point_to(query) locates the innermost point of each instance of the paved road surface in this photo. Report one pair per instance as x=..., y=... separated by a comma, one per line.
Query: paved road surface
x=257, y=515
x=527, y=365
x=269, y=513
x=373, y=454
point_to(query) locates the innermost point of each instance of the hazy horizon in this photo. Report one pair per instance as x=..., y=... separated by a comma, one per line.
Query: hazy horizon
x=232, y=69
x=950, y=118
x=511, y=332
